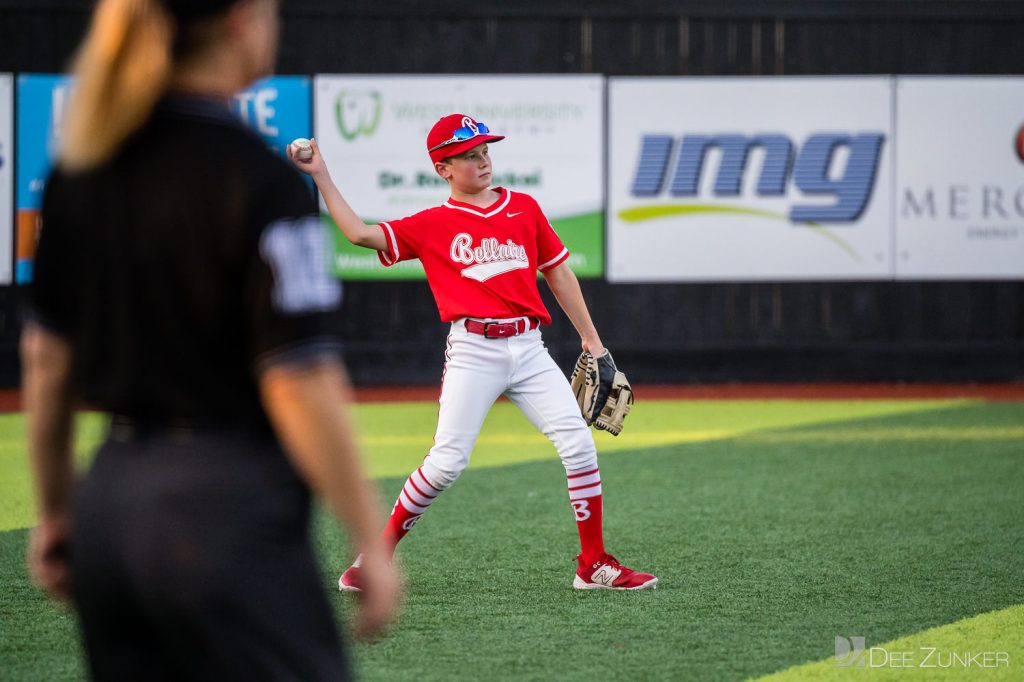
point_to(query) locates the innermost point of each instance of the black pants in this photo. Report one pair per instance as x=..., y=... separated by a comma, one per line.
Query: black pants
x=192, y=561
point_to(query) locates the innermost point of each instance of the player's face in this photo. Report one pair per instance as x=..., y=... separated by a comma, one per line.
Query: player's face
x=470, y=171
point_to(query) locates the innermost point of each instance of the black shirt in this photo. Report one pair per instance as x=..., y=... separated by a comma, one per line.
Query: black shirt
x=183, y=267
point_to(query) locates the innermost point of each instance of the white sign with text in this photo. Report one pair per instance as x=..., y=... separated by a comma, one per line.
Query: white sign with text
x=372, y=131
x=960, y=178
x=734, y=179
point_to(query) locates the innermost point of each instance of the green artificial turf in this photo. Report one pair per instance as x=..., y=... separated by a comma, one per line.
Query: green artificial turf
x=773, y=526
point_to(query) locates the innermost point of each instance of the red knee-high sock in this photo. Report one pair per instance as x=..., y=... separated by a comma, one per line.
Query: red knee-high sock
x=585, y=497
x=415, y=498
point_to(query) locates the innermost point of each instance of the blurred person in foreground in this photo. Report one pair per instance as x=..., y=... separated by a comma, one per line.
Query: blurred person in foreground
x=181, y=287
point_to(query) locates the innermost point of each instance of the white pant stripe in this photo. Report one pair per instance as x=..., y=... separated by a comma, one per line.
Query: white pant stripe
x=409, y=504
x=421, y=500
x=585, y=471
x=585, y=480
x=423, y=484
x=584, y=493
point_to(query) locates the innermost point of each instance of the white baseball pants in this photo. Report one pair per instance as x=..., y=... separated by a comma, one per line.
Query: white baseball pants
x=477, y=371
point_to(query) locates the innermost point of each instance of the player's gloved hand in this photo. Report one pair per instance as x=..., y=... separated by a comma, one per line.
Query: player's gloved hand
x=380, y=595
x=602, y=391
x=606, y=370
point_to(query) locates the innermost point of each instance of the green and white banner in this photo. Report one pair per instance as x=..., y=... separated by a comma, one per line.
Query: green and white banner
x=372, y=131
x=6, y=177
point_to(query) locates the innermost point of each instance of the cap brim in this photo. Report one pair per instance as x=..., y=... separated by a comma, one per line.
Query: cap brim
x=458, y=147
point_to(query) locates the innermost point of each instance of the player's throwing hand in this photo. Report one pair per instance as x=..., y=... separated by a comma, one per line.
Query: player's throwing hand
x=311, y=166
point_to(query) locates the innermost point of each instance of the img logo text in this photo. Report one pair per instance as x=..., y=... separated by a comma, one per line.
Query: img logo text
x=810, y=167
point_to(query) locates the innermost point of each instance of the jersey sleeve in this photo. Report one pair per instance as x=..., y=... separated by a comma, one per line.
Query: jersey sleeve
x=403, y=238
x=292, y=300
x=52, y=301
x=550, y=249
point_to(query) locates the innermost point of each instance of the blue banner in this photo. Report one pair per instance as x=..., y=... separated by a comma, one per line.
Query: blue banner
x=279, y=109
x=41, y=99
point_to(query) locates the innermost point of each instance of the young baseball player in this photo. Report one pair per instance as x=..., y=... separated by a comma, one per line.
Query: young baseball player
x=481, y=250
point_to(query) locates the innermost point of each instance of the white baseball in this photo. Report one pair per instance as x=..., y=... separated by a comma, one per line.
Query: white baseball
x=303, y=149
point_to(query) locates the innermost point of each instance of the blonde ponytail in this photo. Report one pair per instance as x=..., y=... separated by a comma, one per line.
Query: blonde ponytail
x=121, y=70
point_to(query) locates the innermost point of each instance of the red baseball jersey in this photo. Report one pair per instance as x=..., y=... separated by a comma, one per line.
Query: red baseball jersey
x=480, y=262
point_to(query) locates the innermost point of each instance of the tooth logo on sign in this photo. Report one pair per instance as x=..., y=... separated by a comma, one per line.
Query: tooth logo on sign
x=357, y=113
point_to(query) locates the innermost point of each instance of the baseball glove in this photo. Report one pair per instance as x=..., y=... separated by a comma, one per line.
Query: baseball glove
x=602, y=391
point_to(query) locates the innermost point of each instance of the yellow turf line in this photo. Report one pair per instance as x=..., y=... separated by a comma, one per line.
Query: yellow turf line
x=989, y=647
x=912, y=433
x=385, y=456
x=694, y=436
x=528, y=438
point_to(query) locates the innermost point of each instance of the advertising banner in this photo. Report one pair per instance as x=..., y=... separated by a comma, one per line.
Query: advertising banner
x=372, y=131
x=960, y=178
x=749, y=179
x=41, y=99
x=6, y=176
x=280, y=109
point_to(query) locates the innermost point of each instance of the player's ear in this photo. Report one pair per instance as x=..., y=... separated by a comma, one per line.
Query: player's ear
x=443, y=169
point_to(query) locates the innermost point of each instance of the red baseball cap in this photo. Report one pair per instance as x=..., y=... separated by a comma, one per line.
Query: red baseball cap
x=456, y=133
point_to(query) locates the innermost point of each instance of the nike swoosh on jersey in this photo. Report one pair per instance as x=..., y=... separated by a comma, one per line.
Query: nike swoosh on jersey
x=513, y=215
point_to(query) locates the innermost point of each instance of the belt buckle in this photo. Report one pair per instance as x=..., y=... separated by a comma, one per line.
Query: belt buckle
x=501, y=330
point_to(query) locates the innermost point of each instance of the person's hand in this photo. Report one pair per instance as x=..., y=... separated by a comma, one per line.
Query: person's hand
x=380, y=596
x=314, y=165
x=49, y=557
x=595, y=348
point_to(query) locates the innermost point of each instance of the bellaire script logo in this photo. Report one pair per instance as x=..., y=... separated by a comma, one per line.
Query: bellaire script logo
x=490, y=259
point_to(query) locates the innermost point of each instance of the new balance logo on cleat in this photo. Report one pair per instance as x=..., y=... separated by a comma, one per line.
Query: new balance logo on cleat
x=605, y=575
x=608, y=574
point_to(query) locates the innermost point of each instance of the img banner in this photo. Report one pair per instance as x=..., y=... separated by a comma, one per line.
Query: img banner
x=749, y=179
x=960, y=178
x=372, y=131
x=6, y=176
